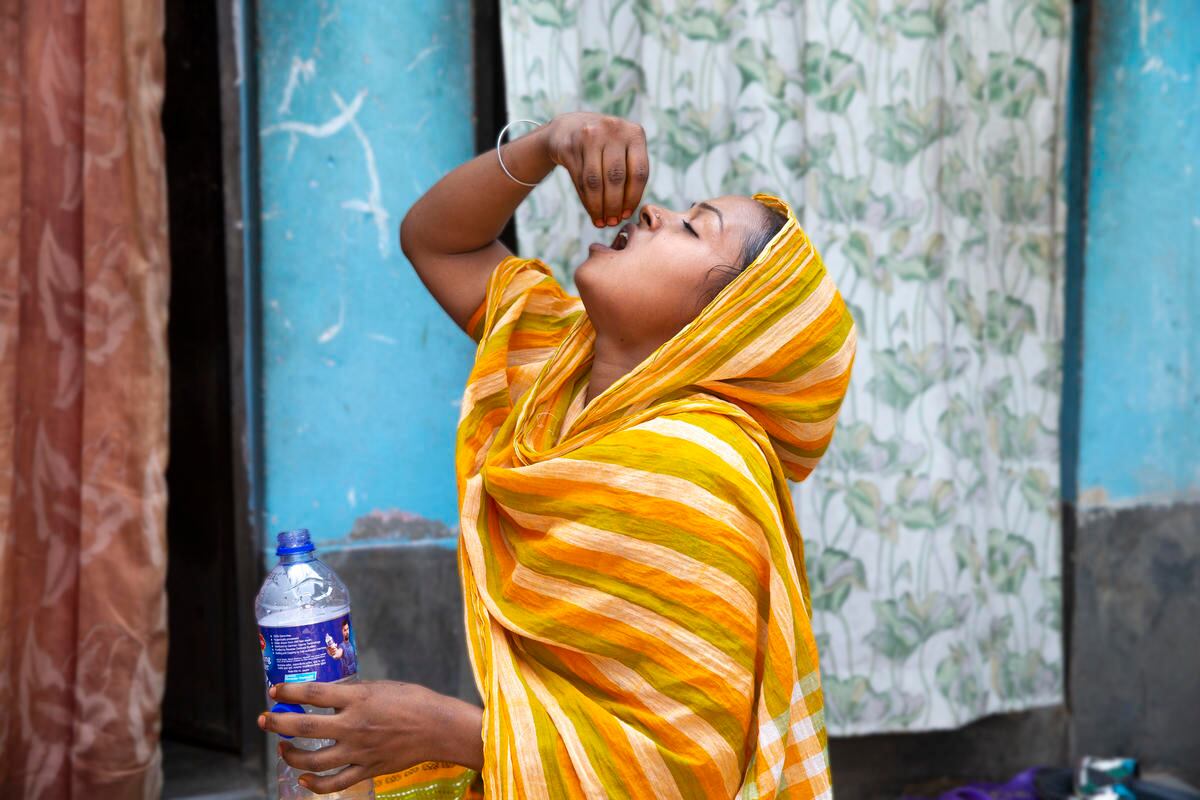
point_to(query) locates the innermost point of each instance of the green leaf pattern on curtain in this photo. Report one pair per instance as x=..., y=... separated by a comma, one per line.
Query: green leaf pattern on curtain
x=922, y=144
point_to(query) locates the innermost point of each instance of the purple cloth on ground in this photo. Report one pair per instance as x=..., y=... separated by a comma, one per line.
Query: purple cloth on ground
x=1021, y=787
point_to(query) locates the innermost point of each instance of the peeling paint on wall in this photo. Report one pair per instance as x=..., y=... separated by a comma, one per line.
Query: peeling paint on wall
x=1140, y=411
x=363, y=106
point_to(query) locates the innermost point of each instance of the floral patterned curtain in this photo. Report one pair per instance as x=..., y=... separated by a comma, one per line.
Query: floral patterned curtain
x=83, y=399
x=924, y=141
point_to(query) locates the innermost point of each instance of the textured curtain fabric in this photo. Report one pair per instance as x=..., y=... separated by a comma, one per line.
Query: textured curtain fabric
x=83, y=380
x=921, y=142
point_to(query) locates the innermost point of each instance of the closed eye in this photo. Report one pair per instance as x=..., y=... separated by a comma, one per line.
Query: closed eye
x=691, y=229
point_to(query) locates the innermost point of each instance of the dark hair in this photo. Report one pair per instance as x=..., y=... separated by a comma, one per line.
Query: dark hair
x=772, y=222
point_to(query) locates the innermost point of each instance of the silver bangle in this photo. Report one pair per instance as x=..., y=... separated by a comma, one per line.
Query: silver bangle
x=501, y=160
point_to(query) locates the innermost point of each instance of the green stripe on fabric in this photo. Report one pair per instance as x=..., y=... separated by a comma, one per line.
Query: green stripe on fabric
x=684, y=776
x=663, y=677
x=565, y=692
x=677, y=611
x=821, y=350
x=619, y=514
x=688, y=461
x=547, y=735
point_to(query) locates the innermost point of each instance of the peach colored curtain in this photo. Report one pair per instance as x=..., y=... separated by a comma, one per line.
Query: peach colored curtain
x=83, y=394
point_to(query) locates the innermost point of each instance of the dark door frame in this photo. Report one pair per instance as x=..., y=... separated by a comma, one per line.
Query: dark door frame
x=239, y=154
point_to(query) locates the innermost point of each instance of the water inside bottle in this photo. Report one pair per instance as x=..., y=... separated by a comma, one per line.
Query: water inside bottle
x=306, y=634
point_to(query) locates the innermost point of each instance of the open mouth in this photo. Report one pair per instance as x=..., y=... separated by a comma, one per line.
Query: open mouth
x=622, y=241
x=624, y=236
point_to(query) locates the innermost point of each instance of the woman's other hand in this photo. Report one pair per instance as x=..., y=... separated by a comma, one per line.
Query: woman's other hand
x=606, y=158
x=380, y=727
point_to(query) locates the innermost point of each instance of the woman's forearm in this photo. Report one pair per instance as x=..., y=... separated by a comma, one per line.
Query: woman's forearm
x=460, y=740
x=451, y=235
x=469, y=207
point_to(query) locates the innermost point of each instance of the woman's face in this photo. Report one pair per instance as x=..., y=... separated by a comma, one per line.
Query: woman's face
x=643, y=293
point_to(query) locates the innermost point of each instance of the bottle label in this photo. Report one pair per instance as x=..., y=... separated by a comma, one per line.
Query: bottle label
x=319, y=651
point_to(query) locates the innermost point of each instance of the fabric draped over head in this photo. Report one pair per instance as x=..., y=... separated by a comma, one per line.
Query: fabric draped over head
x=758, y=344
x=636, y=605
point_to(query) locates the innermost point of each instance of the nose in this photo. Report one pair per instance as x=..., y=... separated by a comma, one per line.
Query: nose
x=653, y=215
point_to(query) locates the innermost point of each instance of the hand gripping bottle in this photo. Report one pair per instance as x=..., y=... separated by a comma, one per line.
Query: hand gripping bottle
x=305, y=634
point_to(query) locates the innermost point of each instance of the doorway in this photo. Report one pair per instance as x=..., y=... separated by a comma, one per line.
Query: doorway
x=209, y=747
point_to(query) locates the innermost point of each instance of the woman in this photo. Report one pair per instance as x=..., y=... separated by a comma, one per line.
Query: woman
x=636, y=604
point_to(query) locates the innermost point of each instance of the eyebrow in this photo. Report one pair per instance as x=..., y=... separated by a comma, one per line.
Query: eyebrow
x=715, y=210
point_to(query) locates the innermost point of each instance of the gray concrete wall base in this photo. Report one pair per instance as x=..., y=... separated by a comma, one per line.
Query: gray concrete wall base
x=1134, y=675
x=408, y=615
x=994, y=748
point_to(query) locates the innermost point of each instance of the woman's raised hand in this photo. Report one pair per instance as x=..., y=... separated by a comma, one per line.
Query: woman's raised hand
x=606, y=158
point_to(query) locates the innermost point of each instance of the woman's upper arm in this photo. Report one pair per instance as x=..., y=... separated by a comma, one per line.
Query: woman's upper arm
x=458, y=281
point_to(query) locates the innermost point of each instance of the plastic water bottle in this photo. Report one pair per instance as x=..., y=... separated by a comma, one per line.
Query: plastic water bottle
x=305, y=634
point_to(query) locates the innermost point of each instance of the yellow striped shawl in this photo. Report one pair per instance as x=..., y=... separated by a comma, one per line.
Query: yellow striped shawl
x=636, y=603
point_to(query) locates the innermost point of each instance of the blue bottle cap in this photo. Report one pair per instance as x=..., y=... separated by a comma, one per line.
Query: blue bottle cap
x=292, y=542
x=286, y=708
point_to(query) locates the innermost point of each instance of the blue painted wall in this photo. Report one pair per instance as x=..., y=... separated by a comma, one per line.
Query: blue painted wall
x=362, y=106
x=1139, y=437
